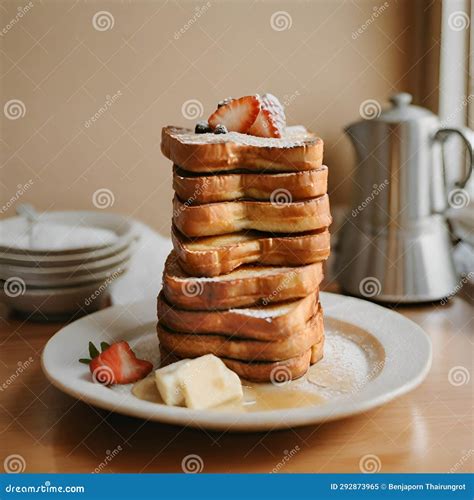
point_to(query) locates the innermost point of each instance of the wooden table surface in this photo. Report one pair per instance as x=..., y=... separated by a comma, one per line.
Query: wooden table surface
x=428, y=430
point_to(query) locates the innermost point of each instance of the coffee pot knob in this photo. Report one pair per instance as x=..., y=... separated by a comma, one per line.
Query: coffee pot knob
x=401, y=99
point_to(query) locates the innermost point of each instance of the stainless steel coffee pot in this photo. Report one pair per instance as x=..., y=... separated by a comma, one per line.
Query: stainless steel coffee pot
x=395, y=244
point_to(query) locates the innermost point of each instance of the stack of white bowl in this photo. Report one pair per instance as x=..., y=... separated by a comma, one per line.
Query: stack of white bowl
x=61, y=264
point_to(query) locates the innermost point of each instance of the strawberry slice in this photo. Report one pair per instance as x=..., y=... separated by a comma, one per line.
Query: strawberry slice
x=118, y=365
x=237, y=115
x=271, y=120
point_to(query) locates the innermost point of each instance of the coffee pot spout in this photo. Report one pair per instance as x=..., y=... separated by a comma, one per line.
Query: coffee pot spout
x=377, y=124
x=359, y=134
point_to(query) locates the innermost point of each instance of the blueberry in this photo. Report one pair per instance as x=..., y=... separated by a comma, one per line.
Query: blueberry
x=220, y=129
x=202, y=128
x=224, y=102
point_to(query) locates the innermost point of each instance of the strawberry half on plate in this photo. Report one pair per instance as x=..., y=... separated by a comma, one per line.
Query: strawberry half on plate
x=116, y=364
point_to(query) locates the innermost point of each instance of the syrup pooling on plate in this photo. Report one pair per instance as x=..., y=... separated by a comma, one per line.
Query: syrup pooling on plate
x=257, y=397
x=352, y=358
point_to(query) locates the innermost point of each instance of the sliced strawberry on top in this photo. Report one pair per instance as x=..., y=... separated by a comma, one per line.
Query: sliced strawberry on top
x=238, y=115
x=118, y=365
x=271, y=120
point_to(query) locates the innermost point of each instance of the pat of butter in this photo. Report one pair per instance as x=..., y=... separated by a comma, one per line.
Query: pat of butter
x=168, y=384
x=207, y=382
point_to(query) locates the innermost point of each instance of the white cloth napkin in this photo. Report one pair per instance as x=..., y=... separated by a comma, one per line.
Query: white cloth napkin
x=142, y=281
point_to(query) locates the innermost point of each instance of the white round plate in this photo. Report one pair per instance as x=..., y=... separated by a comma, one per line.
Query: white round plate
x=371, y=356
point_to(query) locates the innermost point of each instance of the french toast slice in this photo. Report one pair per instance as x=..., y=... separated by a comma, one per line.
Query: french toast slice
x=215, y=255
x=263, y=371
x=265, y=323
x=317, y=352
x=233, y=346
x=232, y=216
x=296, y=150
x=246, y=286
x=198, y=189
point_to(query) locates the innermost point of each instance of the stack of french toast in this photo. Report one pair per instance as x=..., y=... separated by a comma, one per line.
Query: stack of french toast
x=250, y=234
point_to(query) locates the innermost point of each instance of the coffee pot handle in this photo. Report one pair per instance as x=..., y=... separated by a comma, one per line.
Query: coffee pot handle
x=467, y=135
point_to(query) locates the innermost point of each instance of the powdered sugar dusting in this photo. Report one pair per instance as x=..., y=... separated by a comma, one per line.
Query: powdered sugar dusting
x=352, y=358
x=343, y=368
x=293, y=137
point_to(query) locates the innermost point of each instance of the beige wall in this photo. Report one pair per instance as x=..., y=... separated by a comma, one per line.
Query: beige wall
x=62, y=69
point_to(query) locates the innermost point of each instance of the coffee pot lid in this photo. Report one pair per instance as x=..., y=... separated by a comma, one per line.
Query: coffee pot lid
x=402, y=110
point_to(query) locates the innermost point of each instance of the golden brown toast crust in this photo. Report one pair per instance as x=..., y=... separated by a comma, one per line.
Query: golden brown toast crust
x=259, y=186
x=240, y=151
x=211, y=259
x=317, y=352
x=263, y=371
x=254, y=323
x=249, y=285
x=232, y=346
x=250, y=232
x=232, y=216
